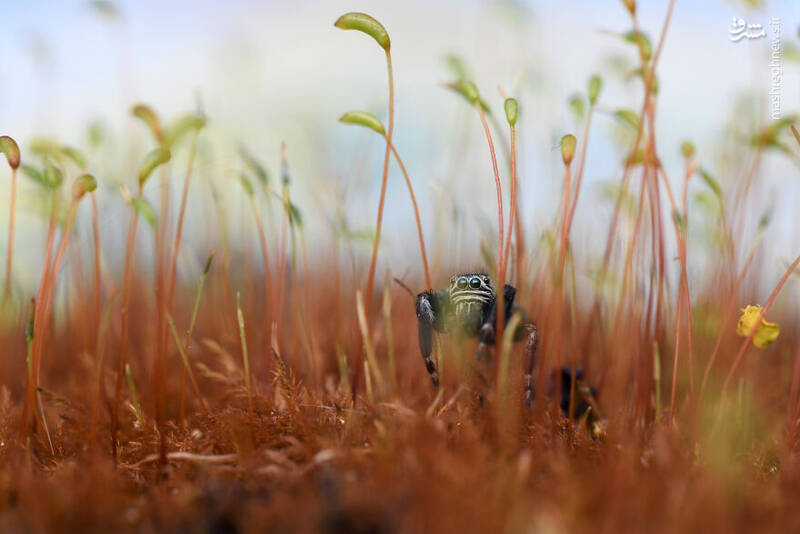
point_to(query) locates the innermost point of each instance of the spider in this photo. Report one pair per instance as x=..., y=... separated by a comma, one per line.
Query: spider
x=468, y=308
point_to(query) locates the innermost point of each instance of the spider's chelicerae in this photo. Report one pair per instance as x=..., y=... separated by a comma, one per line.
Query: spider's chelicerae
x=468, y=308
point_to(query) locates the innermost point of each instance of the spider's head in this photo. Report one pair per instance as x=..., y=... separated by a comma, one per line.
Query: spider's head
x=471, y=291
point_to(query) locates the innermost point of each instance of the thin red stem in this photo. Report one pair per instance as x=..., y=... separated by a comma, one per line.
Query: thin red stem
x=123, y=348
x=376, y=243
x=9, y=254
x=501, y=275
x=428, y=284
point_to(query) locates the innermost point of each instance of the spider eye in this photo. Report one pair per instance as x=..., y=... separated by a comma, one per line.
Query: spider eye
x=462, y=283
x=475, y=282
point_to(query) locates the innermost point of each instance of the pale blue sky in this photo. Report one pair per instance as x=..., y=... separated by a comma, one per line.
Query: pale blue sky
x=272, y=71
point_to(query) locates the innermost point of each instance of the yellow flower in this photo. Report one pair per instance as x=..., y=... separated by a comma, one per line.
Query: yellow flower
x=766, y=332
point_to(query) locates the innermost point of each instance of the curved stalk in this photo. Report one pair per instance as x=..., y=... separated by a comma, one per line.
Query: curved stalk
x=377, y=240
x=500, y=267
x=428, y=284
x=513, y=206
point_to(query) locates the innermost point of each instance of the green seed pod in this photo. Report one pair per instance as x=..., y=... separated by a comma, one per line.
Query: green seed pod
x=642, y=41
x=151, y=161
x=364, y=23
x=144, y=209
x=146, y=113
x=254, y=166
x=512, y=111
x=595, y=85
x=578, y=106
x=52, y=177
x=75, y=155
x=467, y=89
x=96, y=132
x=33, y=173
x=85, y=183
x=456, y=66
x=687, y=149
x=247, y=185
x=628, y=116
x=46, y=147
x=363, y=118
x=180, y=126
x=295, y=218
x=711, y=183
x=9, y=147
x=568, y=144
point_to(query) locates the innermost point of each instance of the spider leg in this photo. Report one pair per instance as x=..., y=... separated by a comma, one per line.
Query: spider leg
x=531, y=345
x=426, y=321
x=487, y=332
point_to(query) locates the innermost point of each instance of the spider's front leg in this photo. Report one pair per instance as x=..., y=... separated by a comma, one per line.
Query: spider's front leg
x=487, y=332
x=429, y=309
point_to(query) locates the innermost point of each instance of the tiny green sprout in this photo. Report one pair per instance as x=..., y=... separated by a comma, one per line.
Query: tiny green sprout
x=595, y=85
x=687, y=149
x=146, y=113
x=363, y=118
x=247, y=185
x=512, y=111
x=366, y=24
x=144, y=209
x=134, y=397
x=578, y=105
x=628, y=116
x=180, y=126
x=642, y=41
x=84, y=183
x=10, y=148
x=29, y=332
x=208, y=262
x=152, y=160
x=568, y=143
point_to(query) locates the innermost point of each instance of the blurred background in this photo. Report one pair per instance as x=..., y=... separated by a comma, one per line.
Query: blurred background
x=266, y=72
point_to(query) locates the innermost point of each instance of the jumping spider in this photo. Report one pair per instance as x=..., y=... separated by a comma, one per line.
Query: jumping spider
x=468, y=308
